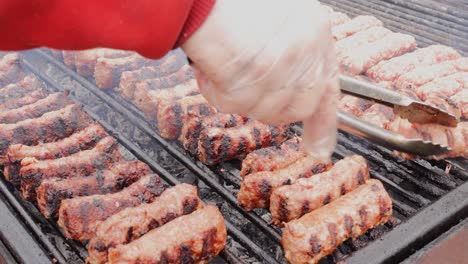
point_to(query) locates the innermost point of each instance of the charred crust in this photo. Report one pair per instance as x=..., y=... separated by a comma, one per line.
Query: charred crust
x=186, y=254
x=287, y=182
x=363, y=215
x=283, y=209
x=275, y=133
x=232, y=121
x=99, y=246
x=165, y=258
x=327, y=199
x=206, y=144
x=315, y=245
x=168, y=217
x=343, y=189
x=265, y=189
x=332, y=230
x=4, y=143
x=129, y=236
x=153, y=224
x=189, y=205
x=83, y=216
x=375, y=188
x=318, y=168
x=177, y=109
x=383, y=207
x=224, y=147
x=258, y=140
x=242, y=146
x=361, y=178
x=292, y=144
x=209, y=238
x=305, y=207
x=60, y=127
x=348, y=224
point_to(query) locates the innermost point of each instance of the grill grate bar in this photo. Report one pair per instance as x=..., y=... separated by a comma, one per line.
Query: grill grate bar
x=135, y=150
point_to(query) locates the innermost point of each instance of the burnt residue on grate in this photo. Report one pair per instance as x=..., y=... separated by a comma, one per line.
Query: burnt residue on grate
x=413, y=185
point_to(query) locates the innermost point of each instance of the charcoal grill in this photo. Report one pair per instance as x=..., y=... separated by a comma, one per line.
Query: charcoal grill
x=429, y=197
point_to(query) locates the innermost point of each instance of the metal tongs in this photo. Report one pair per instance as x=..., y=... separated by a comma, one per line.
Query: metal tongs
x=404, y=106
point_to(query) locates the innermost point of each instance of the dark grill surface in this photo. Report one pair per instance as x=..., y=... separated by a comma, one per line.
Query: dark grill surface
x=428, y=196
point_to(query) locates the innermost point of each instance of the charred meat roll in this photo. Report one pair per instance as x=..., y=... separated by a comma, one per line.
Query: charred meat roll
x=348, y=45
x=217, y=144
x=132, y=223
x=319, y=233
x=390, y=70
x=168, y=65
x=173, y=114
x=425, y=74
x=69, y=58
x=80, y=216
x=49, y=127
x=353, y=26
x=363, y=58
x=51, y=103
x=193, y=238
x=192, y=128
x=305, y=195
x=86, y=60
x=149, y=101
x=20, y=89
x=354, y=105
x=34, y=171
x=273, y=158
x=52, y=191
x=28, y=98
x=257, y=187
x=82, y=140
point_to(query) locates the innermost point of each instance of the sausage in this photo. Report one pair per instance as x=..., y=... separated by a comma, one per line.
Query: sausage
x=354, y=25
x=193, y=238
x=319, y=233
x=305, y=195
x=132, y=223
x=86, y=60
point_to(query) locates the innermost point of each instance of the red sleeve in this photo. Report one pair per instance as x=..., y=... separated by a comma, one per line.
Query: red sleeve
x=150, y=27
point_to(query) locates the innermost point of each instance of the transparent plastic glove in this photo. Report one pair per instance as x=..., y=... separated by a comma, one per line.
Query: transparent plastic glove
x=272, y=60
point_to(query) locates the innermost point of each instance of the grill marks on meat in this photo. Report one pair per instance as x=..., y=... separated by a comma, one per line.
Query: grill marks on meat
x=34, y=171
x=173, y=114
x=193, y=238
x=217, y=144
x=425, y=74
x=170, y=64
x=107, y=71
x=148, y=101
x=390, y=70
x=273, y=158
x=52, y=102
x=82, y=140
x=317, y=234
x=85, y=61
x=365, y=57
x=353, y=26
x=256, y=188
x=191, y=129
x=10, y=69
x=18, y=90
x=52, y=191
x=347, y=46
x=47, y=128
x=305, y=195
x=132, y=223
x=80, y=216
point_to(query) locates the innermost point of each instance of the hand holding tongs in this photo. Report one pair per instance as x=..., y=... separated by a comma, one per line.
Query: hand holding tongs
x=413, y=110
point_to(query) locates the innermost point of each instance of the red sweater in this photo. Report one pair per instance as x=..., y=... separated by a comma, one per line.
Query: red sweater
x=150, y=27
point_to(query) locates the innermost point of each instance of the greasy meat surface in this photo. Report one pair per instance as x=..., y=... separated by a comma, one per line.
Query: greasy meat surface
x=28, y=98
x=354, y=105
x=47, y=128
x=10, y=70
x=461, y=99
x=82, y=140
x=169, y=64
x=195, y=125
x=85, y=60
x=217, y=144
x=363, y=58
x=80, y=216
x=34, y=171
x=256, y=188
x=108, y=70
x=132, y=223
x=305, y=195
x=353, y=26
x=120, y=175
x=348, y=45
x=273, y=158
x=148, y=101
x=173, y=114
x=392, y=69
x=193, y=238
x=425, y=74
x=52, y=102
x=319, y=233
x=17, y=90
